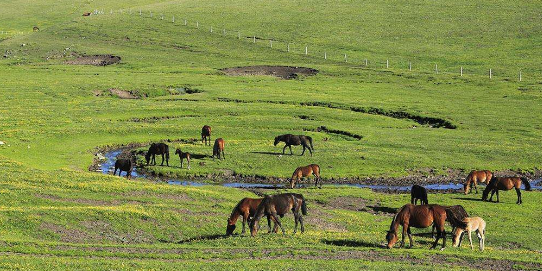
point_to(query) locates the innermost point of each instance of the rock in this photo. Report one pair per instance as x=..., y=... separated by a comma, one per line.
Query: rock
x=2, y=143
x=100, y=156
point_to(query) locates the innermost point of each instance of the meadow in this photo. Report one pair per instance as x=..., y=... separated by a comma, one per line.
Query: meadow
x=54, y=117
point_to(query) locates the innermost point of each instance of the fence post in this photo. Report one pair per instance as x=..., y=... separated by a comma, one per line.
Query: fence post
x=490, y=74
x=271, y=43
x=520, y=75
x=325, y=55
x=224, y=31
x=345, y=59
x=161, y=16
x=140, y=12
x=288, y=48
x=387, y=63
x=211, y=29
x=111, y=11
x=436, y=68
x=197, y=24
x=306, y=50
x=461, y=70
x=366, y=63
x=410, y=66
x=173, y=19
x=185, y=22
x=254, y=40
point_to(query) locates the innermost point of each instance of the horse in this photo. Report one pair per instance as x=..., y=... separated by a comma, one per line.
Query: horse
x=183, y=155
x=245, y=208
x=418, y=192
x=470, y=224
x=218, y=148
x=86, y=14
x=35, y=29
x=157, y=148
x=124, y=165
x=306, y=171
x=506, y=183
x=477, y=176
x=417, y=216
x=206, y=134
x=278, y=205
x=295, y=140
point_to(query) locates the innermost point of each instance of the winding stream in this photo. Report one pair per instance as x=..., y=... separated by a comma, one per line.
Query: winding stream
x=108, y=166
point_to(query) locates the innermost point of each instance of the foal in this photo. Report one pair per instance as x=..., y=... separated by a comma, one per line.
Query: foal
x=218, y=148
x=306, y=171
x=183, y=155
x=470, y=224
x=206, y=134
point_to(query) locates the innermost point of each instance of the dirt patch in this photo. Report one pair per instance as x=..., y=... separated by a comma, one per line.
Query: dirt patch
x=284, y=72
x=95, y=60
x=123, y=94
x=315, y=219
x=348, y=203
x=66, y=235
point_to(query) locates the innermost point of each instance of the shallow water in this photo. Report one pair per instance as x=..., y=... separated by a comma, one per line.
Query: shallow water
x=109, y=165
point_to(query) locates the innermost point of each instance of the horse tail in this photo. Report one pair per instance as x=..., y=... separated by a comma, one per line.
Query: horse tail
x=454, y=220
x=310, y=141
x=526, y=183
x=303, y=205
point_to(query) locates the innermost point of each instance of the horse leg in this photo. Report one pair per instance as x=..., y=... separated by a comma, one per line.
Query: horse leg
x=492, y=193
x=498, y=200
x=245, y=218
x=268, y=224
x=291, y=153
x=475, y=187
x=188, y=161
x=296, y=219
x=283, y=149
x=301, y=222
x=481, y=239
x=410, y=237
x=433, y=231
x=277, y=220
x=519, y=196
x=405, y=227
x=223, y=155
x=470, y=240
x=302, y=153
x=162, y=160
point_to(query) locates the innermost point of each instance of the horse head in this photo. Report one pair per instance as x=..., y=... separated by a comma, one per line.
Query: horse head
x=148, y=157
x=178, y=151
x=391, y=237
x=466, y=188
x=230, y=228
x=277, y=140
x=485, y=193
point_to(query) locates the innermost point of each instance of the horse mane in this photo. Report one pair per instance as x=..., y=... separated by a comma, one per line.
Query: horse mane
x=455, y=216
x=395, y=217
x=236, y=209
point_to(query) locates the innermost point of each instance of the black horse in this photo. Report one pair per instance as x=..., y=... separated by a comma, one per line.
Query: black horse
x=279, y=205
x=418, y=193
x=295, y=140
x=160, y=149
x=124, y=165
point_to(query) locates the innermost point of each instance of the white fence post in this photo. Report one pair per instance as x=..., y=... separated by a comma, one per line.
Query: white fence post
x=436, y=68
x=490, y=74
x=185, y=22
x=306, y=50
x=151, y=14
x=211, y=29
x=140, y=12
x=271, y=43
x=345, y=59
x=197, y=24
x=366, y=63
x=224, y=31
x=410, y=66
x=461, y=70
x=387, y=63
x=254, y=39
x=288, y=48
x=520, y=75
x=173, y=19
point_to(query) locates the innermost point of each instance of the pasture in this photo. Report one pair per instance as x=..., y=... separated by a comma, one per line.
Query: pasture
x=366, y=122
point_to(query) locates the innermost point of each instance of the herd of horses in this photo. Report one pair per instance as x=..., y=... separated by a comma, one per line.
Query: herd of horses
x=274, y=207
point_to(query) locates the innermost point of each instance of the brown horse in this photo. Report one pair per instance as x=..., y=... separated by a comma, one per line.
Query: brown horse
x=279, y=205
x=183, y=155
x=477, y=176
x=417, y=216
x=86, y=14
x=306, y=171
x=218, y=148
x=245, y=208
x=295, y=140
x=160, y=149
x=506, y=183
x=206, y=134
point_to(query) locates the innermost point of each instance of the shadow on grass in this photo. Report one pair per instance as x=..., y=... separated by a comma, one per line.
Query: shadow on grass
x=383, y=209
x=470, y=199
x=268, y=153
x=195, y=239
x=351, y=243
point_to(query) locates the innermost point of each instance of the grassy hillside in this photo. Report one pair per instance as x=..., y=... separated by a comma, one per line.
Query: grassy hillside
x=53, y=117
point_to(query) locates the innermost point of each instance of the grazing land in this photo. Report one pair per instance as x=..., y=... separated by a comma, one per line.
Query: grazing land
x=366, y=122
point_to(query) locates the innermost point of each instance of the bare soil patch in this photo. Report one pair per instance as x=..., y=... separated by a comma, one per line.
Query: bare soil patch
x=284, y=72
x=95, y=60
x=123, y=94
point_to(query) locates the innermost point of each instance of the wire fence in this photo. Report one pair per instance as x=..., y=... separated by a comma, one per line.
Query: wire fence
x=348, y=58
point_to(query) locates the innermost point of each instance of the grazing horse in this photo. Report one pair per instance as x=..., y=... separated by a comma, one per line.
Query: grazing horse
x=454, y=214
x=418, y=192
x=86, y=14
x=35, y=29
x=160, y=149
x=506, y=183
x=183, y=155
x=295, y=140
x=218, y=148
x=477, y=176
x=278, y=205
x=470, y=224
x=246, y=208
x=306, y=171
x=124, y=165
x=417, y=216
x=206, y=135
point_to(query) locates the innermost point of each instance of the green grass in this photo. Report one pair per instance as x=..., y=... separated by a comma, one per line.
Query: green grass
x=56, y=214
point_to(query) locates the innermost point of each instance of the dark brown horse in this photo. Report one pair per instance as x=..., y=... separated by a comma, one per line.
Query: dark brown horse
x=475, y=177
x=218, y=148
x=206, y=134
x=182, y=156
x=86, y=14
x=295, y=140
x=306, y=171
x=418, y=192
x=279, y=205
x=124, y=165
x=418, y=216
x=247, y=209
x=160, y=149
x=506, y=183
x=455, y=215
x=35, y=29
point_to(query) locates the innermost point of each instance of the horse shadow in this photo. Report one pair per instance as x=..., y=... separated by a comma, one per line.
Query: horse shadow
x=471, y=199
x=194, y=239
x=198, y=156
x=350, y=243
x=383, y=209
x=268, y=153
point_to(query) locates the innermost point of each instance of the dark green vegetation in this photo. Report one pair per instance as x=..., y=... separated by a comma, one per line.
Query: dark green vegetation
x=365, y=121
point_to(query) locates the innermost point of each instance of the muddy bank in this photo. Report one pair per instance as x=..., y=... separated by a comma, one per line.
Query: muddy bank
x=284, y=72
x=95, y=60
